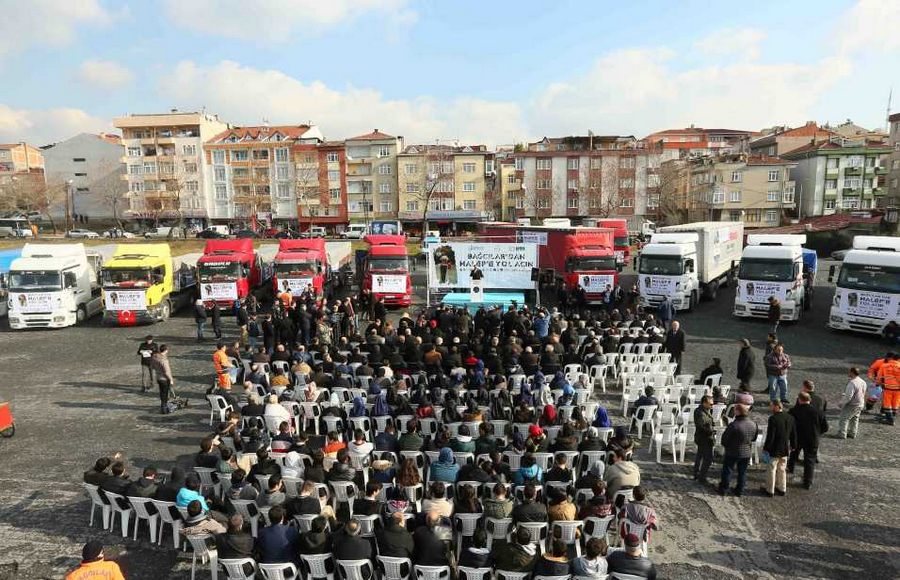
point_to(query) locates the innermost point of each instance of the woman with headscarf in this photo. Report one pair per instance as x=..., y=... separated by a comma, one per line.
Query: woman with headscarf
x=526, y=397
x=558, y=379
x=518, y=444
x=548, y=416
x=478, y=374
x=359, y=407
x=537, y=441
x=445, y=469
x=293, y=465
x=380, y=408
x=601, y=420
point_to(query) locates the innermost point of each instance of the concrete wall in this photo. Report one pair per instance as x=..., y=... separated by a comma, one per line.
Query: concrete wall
x=96, y=181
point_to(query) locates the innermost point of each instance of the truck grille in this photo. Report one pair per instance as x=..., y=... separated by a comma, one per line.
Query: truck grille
x=37, y=322
x=864, y=326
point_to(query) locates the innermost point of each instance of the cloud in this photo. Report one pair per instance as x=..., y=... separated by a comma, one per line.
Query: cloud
x=47, y=23
x=246, y=95
x=741, y=42
x=869, y=25
x=43, y=126
x=104, y=74
x=277, y=20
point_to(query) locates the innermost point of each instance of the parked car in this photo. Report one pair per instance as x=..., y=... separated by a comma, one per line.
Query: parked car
x=246, y=234
x=314, y=232
x=211, y=234
x=117, y=233
x=286, y=235
x=839, y=255
x=355, y=232
x=83, y=234
x=165, y=232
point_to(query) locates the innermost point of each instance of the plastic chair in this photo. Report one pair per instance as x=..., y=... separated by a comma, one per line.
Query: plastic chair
x=218, y=406
x=312, y=412
x=119, y=505
x=201, y=550
x=644, y=416
x=93, y=492
x=640, y=530
x=139, y=504
x=280, y=571
x=248, y=510
x=623, y=576
x=356, y=569
x=236, y=568
x=317, y=566
x=466, y=524
x=395, y=568
x=466, y=573
x=551, y=577
x=667, y=434
x=507, y=575
x=343, y=492
x=163, y=508
x=538, y=531
x=597, y=374
x=602, y=528
x=304, y=521
x=208, y=480
x=433, y=572
x=497, y=529
x=713, y=381
x=567, y=531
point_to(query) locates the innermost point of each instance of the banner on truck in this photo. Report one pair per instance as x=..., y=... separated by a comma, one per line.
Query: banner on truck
x=595, y=283
x=30, y=302
x=758, y=292
x=388, y=284
x=295, y=285
x=118, y=300
x=871, y=304
x=539, y=238
x=503, y=265
x=659, y=285
x=218, y=291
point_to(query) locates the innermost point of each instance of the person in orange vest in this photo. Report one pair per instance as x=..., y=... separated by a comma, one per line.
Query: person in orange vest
x=223, y=365
x=889, y=378
x=877, y=364
x=93, y=565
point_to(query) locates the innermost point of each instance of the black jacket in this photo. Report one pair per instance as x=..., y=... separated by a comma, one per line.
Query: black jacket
x=639, y=566
x=429, y=549
x=314, y=543
x=394, y=541
x=781, y=435
x=745, y=364
x=547, y=567
x=675, y=342
x=239, y=545
x=530, y=511
x=303, y=506
x=348, y=547
x=704, y=426
x=811, y=423
x=739, y=436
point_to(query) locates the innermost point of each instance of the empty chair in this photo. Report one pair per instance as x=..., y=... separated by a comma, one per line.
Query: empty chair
x=356, y=569
x=93, y=492
x=202, y=551
x=497, y=529
x=601, y=528
x=281, y=571
x=568, y=532
x=507, y=575
x=311, y=415
x=713, y=381
x=142, y=513
x=316, y=566
x=395, y=568
x=597, y=374
x=239, y=568
x=667, y=434
x=164, y=509
x=433, y=572
x=644, y=416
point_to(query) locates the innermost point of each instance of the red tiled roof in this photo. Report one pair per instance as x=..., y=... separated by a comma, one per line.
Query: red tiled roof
x=288, y=131
x=825, y=223
x=699, y=131
x=767, y=160
x=808, y=130
x=821, y=145
x=375, y=135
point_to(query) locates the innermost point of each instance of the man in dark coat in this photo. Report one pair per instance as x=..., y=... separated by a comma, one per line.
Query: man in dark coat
x=675, y=344
x=394, y=540
x=430, y=549
x=781, y=438
x=738, y=441
x=811, y=424
x=704, y=437
x=349, y=545
x=745, y=364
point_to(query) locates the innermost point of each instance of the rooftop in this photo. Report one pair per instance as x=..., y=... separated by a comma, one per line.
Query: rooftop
x=826, y=223
x=375, y=135
x=837, y=144
x=261, y=133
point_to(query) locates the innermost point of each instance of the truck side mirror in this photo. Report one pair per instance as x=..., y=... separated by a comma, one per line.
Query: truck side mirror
x=689, y=266
x=831, y=272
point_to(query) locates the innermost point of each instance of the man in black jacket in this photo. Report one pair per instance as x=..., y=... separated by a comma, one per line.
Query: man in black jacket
x=145, y=486
x=738, y=441
x=529, y=510
x=745, y=364
x=317, y=540
x=811, y=424
x=781, y=438
x=394, y=540
x=348, y=545
x=704, y=437
x=145, y=351
x=98, y=473
x=675, y=344
x=430, y=548
x=235, y=542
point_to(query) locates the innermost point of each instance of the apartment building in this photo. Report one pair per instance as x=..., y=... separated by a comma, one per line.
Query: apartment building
x=22, y=178
x=756, y=190
x=451, y=180
x=252, y=171
x=167, y=174
x=321, y=181
x=786, y=139
x=371, y=173
x=510, y=190
x=695, y=141
x=893, y=163
x=20, y=158
x=840, y=175
x=587, y=176
x=89, y=166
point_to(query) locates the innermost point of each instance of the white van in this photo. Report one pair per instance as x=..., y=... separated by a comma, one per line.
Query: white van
x=14, y=228
x=354, y=232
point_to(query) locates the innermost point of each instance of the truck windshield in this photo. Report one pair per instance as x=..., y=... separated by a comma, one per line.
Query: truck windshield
x=126, y=278
x=661, y=265
x=870, y=278
x=621, y=241
x=296, y=268
x=388, y=263
x=219, y=271
x=25, y=280
x=766, y=270
x=597, y=263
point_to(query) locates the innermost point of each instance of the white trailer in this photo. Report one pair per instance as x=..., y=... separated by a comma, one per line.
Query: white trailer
x=338, y=255
x=771, y=265
x=867, y=297
x=53, y=286
x=688, y=262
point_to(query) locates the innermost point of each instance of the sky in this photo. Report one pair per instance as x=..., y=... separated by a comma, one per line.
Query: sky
x=481, y=72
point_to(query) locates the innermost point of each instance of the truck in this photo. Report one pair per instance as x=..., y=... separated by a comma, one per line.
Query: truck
x=688, y=262
x=300, y=263
x=53, y=286
x=6, y=260
x=772, y=265
x=622, y=241
x=867, y=296
x=386, y=270
x=229, y=270
x=144, y=283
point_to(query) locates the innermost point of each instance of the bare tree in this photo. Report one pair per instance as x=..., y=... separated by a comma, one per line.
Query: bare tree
x=111, y=188
x=434, y=178
x=308, y=185
x=29, y=193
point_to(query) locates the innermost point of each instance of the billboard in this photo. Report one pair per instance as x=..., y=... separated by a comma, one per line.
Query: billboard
x=33, y=302
x=505, y=266
x=119, y=300
x=596, y=283
x=758, y=292
x=295, y=285
x=871, y=304
x=657, y=285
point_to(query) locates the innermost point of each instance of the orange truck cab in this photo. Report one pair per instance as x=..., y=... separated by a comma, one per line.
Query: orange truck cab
x=386, y=270
x=301, y=263
x=621, y=241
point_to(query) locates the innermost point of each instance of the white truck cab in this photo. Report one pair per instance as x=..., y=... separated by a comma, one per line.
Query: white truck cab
x=53, y=286
x=668, y=267
x=771, y=265
x=867, y=296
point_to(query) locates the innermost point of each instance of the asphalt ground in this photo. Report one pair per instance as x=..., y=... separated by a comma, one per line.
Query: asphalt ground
x=75, y=394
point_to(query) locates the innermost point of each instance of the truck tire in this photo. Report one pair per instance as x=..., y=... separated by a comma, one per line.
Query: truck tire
x=165, y=310
x=80, y=315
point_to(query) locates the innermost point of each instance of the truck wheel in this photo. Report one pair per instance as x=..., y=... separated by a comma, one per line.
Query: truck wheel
x=165, y=310
x=9, y=431
x=80, y=315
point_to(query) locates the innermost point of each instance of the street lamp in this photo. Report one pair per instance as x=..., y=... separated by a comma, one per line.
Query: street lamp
x=524, y=189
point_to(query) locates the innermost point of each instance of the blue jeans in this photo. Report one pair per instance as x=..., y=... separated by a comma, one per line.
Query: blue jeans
x=777, y=387
x=728, y=465
x=201, y=324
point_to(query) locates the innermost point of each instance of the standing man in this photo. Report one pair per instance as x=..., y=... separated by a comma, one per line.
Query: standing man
x=145, y=351
x=811, y=423
x=745, y=365
x=216, y=320
x=704, y=437
x=666, y=311
x=675, y=344
x=777, y=365
x=774, y=315
x=200, y=318
x=738, y=441
x=222, y=364
x=781, y=438
x=889, y=378
x=159, y=363
x=852, y=402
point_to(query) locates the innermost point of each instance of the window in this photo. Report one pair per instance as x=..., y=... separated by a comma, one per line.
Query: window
x=239, y=155
x=772, y=195
x=543, y=184
x=447, y=168
x=240, y=172
x=572, y=203
x=190, y=167
x=626, y=202
x=283, y=190
x=411, y=168
x=627, y=183
x=81, y=175
x=189, y=150
x=488, y=166
x=469, y=204
x=384, y=188
x=734, y=196
x=829, y=204
x=385, y=207
x=831, y=184
x=855, y=161
x=511, y=179
x=136, y=186
x=895, y=164
x=653, y=201
x=334, y=175
x=894, y=182
x=544, y=163
x=560, y=147
x=281, y=154
x=221, y=191
x=468, y=167
x=734, y=215
x=850, y=203
x=151, y=185
x=384, y=169
x=167, y=168
x=444, y=187
x=219, y=173
x=851, y=182
x=596, y=162
x=572, y=163
x=335, y=193
x=282, y=171
x=520, y=203
x=653, y=180
x=135, y=169
x=572, y=184
x=384, y=151
x=752, y=215
x=332, y=157
x=787, y=196
x=412, y=206
x=260, y=154
x=737, y=176
x=192, y=186
x=469, y=186
x=82, y=189
x=867, y=183
x=774, y=175
x=870, y=161
x=134, y=151
x=520, y=164
x=78, y=159
x=626, y=162
x=149, y=167
x=219, y=157
x=771, y=216
x=412, y=188
x=718, y=196
x=543, y=203
x=832, y=163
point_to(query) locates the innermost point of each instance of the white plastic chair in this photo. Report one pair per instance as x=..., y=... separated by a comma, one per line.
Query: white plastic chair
x=316, y=566
x=93, y=492
x=395, y=568
x=201, y=550
x=312, y=412
x=538, y=532
x=343, y=492
x=208, y=480
x=644, y=416
x=568, y=531
x=356, y=569
x=142, y=513
x=236, y=568
x=280, y=571
x=466, y=573
x=603, y=528
x=466, y=524
x=248, y=510
x=433, y=572
x=667, y=434
x=163, y=508
x=218, y=406
x=497, y=529
x=507, y=575
x=713, y=381
x=597, y=375
x=119, y=505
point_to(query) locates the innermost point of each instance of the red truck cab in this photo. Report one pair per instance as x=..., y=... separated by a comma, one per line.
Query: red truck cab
x=300, y=263
x=386, y=270
x=621, y=242
x=228, y=271
x=591, y=262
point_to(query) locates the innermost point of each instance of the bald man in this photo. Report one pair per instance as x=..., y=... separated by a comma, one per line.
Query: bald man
x=430, y=549
x=394, y=540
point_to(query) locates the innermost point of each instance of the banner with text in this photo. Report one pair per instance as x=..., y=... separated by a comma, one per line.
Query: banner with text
x=295, y=285
x=872, y=304
x=388, y=284
x=118, y=300
x=504, y=265
x=758, y=292
x=218, y=291
x=595, y=283
x=658, y=285
x=32, y=302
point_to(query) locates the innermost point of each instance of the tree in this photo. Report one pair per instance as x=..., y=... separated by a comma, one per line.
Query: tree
x=307, y=183
x=672, y=192
x=434, y=177
x=111, y=188
x=28, y=192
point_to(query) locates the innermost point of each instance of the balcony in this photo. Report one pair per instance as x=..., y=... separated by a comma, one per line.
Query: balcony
x=878, y=191
x=360, y=170
x=853, y=171
x=851, y=191
x=832, y=171
x=830, y=193
x=879, y=170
